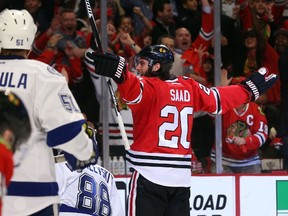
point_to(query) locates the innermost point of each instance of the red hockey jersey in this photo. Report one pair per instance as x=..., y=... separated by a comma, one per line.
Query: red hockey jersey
x=203, y=41
x=163, y=119
x=251, y=125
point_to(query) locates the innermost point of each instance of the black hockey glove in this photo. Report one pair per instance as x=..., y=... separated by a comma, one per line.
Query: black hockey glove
x=258, y=83
x=78, y=165
x=109, y=65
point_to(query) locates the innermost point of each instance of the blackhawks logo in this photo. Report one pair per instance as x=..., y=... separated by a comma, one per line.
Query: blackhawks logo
x=162, y=50
x=238, y=128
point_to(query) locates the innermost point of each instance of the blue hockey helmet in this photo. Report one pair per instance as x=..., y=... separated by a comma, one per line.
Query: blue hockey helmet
x=157, y=54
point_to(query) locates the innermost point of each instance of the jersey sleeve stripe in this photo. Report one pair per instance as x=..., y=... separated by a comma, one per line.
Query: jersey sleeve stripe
x=89, y=63
x=218, y=101
x=261, y=137
x=138, y=98
x=64, y=133
x=206, y=36
x=31, y=189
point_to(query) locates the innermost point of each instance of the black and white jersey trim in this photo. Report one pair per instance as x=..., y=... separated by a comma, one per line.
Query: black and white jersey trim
x=137, y=99
x=158, y=160
x=218, y=101
x=205, y=35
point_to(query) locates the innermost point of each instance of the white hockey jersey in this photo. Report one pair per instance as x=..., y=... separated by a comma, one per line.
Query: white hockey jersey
x=56, y=122
x=90, y=192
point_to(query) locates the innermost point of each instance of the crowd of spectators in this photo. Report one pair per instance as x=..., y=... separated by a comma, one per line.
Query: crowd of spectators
x=254, y=33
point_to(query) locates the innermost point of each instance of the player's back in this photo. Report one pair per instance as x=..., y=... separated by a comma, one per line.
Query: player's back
x=90, y=192
x=40, y=87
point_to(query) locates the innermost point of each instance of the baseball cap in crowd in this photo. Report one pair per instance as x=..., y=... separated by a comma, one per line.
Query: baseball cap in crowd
x=281, y=31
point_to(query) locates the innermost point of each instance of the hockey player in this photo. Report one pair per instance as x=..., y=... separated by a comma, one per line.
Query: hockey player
x=15, y=129
x=163, y=106
x=90, y=192
x=56, y=120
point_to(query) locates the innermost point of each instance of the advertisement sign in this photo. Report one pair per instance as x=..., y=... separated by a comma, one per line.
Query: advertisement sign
x=264, y=195
x=282, y=197
x=212, y=196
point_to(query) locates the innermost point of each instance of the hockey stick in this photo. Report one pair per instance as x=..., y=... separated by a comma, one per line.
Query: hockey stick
x=96, y=36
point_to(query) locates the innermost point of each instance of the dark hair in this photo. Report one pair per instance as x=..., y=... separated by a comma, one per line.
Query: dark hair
x=260, y=49
x=250, y=33
x=66, y=10
x=158, y=5
x=261, y=43
x=159, y=41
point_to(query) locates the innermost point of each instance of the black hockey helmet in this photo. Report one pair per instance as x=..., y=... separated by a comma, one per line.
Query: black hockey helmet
x=157, y=54
x=14, y=117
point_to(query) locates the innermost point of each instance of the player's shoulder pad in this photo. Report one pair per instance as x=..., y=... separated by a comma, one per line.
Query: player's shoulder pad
x=44, y=67
x=53, y=71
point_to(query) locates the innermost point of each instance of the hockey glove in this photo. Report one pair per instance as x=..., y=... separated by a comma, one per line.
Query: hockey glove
x=109, y=65
x=78, y=165
x=258, y=83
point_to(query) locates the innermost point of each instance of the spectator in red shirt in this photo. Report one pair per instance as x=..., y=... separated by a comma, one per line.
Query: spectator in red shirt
x=244, y=130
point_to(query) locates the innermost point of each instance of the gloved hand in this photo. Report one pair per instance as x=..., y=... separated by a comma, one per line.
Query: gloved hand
x=78, y=165
x=109, y=65
x=258, y=83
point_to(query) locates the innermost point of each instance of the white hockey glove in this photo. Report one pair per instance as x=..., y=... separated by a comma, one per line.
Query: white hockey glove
x=259, y=82
x=78, y=165
x=109, y=65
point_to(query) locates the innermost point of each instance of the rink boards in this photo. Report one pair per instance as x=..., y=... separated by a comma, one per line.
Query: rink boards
x=232, y=195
